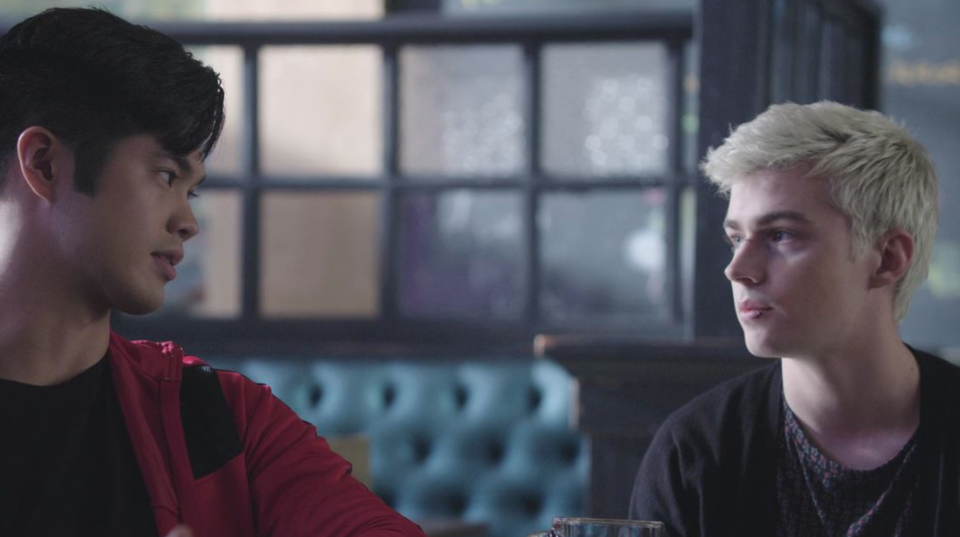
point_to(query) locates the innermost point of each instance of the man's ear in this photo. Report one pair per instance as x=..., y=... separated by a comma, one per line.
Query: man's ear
x=896, y=251
x=45, y=161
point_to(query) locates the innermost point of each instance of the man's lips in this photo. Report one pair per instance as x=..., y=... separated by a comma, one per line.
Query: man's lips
x=166, y=261
x=752, y=309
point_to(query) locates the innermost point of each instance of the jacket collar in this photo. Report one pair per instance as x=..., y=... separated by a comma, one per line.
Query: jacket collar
x=158, y=361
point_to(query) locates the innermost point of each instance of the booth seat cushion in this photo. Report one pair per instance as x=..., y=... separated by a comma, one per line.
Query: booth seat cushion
x=487, y=441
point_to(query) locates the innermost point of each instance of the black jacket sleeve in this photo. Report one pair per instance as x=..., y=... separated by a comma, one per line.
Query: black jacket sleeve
x=711, y=466
x=661, y=491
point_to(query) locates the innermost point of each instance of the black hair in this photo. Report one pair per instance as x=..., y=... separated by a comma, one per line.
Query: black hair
x=93, y=78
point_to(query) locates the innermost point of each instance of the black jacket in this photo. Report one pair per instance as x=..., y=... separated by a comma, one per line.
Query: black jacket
x=711, y=469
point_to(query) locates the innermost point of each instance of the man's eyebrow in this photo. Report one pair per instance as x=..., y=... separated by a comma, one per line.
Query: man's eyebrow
x=182, y=162
x=769, y=218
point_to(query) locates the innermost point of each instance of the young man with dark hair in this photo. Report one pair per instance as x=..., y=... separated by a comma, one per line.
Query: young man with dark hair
x=831, y=221
x=104, y=128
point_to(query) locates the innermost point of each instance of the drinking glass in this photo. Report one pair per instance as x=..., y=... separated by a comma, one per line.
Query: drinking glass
x=601, y=527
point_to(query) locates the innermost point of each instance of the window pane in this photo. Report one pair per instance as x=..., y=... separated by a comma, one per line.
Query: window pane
x=461, y=111
x=210, y=10
x=526, y=8
x=319, y=255
x=208, y=278
x=15, y=10
x=605, y=109
x=259, y=10
x=228, y=61
x=603, y=255
x=461, y=254
x=320, y=110
x=690, y=124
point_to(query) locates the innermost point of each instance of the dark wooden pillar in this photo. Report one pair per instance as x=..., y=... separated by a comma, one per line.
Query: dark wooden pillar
x=735, y=53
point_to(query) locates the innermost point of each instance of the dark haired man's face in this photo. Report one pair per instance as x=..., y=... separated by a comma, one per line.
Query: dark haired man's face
x=125, y=241
x=798, y=290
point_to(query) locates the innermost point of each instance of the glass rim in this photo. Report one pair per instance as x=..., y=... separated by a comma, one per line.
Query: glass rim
x=613, y=521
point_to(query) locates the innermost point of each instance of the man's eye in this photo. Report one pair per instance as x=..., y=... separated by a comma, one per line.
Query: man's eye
x=734, y=240
x=780, y=235
x=169, y=175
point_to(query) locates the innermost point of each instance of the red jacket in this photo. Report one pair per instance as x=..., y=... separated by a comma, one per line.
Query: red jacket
x=285, y=482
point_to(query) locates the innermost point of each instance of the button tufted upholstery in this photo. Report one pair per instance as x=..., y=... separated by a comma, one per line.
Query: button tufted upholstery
x=485, y=441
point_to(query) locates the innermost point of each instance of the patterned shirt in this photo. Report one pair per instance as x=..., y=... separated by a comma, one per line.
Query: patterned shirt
x=819, y=497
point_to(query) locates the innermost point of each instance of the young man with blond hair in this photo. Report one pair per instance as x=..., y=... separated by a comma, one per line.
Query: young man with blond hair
x=831, y=220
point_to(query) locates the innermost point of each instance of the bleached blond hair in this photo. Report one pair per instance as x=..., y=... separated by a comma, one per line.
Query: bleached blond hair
x=880, y=177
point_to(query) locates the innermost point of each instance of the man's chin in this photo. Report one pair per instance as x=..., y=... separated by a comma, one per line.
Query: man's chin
x=141, y=305
x=762, y=347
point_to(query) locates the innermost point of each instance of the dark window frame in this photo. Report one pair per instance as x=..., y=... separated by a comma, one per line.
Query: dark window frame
x=390, y=331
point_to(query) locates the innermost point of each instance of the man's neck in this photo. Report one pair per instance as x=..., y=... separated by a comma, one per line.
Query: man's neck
x=50, y=329
x=48, y=335
x=50, y=356
x=860, y=405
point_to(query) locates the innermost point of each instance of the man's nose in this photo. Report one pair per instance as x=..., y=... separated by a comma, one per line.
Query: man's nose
x=184, y=223
x=747, y=264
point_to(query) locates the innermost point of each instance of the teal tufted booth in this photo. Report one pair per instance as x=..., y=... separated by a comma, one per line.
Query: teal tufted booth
x=486, y=441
